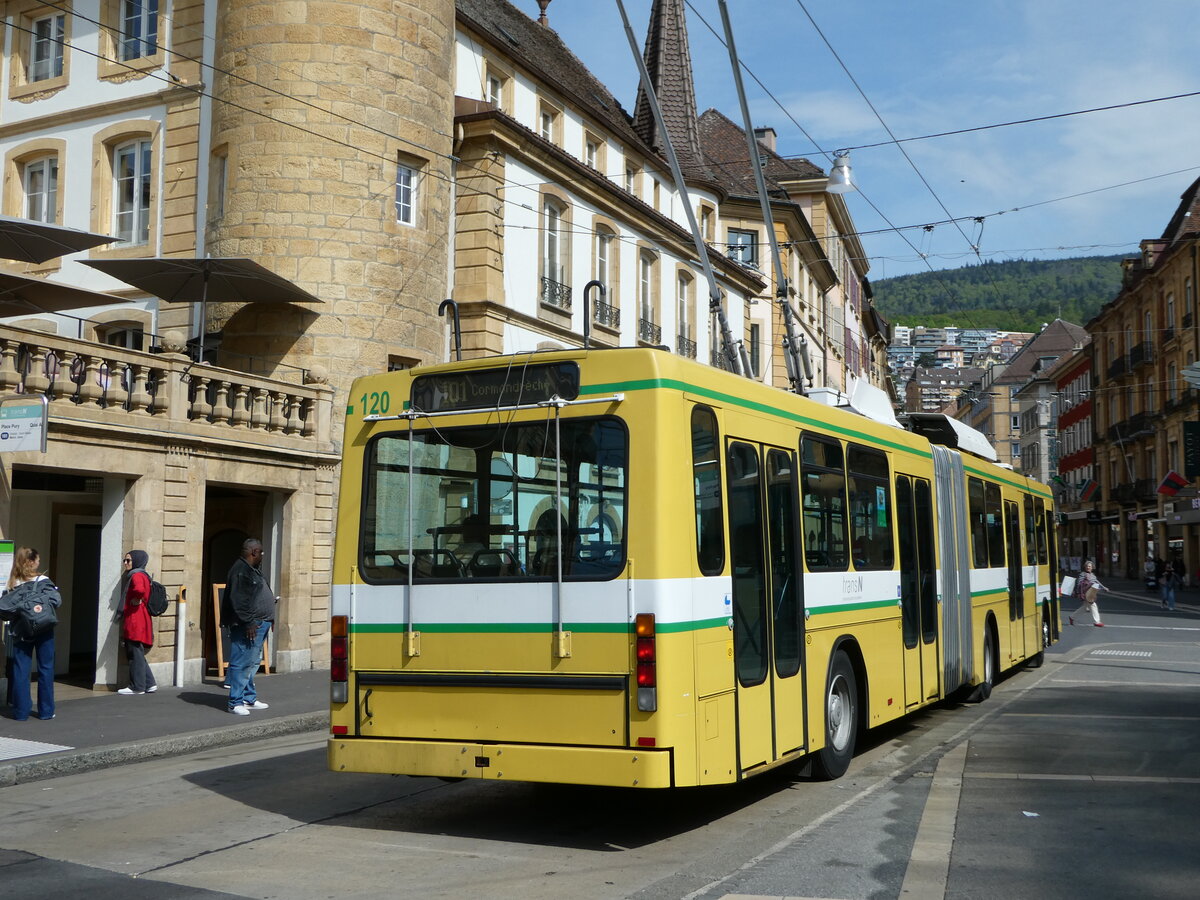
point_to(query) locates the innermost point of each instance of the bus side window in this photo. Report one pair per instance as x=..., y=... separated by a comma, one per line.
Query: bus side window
x=823, y=504
x=706, y=487
x=978, y=517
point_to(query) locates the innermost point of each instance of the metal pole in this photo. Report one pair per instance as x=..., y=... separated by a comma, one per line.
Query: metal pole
x=715, y=303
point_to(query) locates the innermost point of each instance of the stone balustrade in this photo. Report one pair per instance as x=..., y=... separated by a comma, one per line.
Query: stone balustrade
x=107, y=385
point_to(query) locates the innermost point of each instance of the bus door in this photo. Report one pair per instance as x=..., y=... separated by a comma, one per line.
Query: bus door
x=918, y=589
x=767, y=603
x=1016, y=584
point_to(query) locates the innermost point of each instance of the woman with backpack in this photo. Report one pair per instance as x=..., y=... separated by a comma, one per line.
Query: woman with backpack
x=28, y=605
x=137, y=630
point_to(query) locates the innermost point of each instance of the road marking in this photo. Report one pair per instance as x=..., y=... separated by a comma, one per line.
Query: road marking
x=1030, y=715
x=929, y=862
x=1099, y=681
x=1106, y=779
x=15, y=748
x=1142, y=654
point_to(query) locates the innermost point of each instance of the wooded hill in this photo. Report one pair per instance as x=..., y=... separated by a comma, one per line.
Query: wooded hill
x=1018, y=295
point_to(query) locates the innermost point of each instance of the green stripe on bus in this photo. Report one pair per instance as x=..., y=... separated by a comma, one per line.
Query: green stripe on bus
x=649, y=384
x=852, y=607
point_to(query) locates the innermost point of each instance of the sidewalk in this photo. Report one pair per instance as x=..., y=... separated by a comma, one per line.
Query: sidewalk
x=95, y=730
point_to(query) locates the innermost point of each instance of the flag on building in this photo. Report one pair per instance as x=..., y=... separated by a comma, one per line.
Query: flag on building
x=1172, y=484
x=1088, y=489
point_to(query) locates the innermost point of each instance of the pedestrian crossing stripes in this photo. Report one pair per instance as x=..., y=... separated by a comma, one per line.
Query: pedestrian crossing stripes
x=1140, y=654
x=15, y=748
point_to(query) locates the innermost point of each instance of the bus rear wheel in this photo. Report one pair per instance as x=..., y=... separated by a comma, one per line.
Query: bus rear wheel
x=841, y=721
x=984, y=690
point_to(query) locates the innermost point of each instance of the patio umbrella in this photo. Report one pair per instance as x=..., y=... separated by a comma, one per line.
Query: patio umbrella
x=21, y=295
x=36, y=242
x=194, y=280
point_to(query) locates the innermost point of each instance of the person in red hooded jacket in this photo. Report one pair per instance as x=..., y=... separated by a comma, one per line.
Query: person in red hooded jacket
x=137, y=629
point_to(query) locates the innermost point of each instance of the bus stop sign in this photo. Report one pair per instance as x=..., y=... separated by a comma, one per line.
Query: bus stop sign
x=23, y=423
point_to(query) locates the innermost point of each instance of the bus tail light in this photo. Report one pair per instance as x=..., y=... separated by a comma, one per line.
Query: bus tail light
x=646, y=655
x=339, y=659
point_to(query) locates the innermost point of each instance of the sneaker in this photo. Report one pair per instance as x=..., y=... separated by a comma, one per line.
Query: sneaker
x=46, y=718
x=258, y=704
x=1071, y=619
x=240, y=711
x=152, y=689
x=1099, y=624
x=129, y=690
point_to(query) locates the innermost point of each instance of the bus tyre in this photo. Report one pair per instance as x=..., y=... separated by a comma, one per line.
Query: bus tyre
x=1035, y=661
x=841, y=720
x=984, y=690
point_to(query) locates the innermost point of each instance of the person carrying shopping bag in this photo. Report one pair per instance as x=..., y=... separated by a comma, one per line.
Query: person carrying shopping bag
x=1087, y=586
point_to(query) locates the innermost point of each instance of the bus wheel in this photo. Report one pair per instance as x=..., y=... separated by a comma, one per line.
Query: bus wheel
x=841, y=721
x=1035, y=661
x=984, y=690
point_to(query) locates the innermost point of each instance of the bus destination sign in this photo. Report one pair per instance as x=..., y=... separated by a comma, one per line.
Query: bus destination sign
x=492, y=388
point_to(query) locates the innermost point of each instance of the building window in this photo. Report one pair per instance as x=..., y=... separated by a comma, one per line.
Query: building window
x=46, y=49
x=630, y=179
x=1172, y=391
x=756, y=350
x=41, y=189
x=220, y=175
x=743, y=246
x=131, y=192
x=139, y=28
x=406, y=194
x=1015, y=449
x=122, y=334
x=590, y=153
x=648, y=328
x=706, y=223
x=553, y=242
x=548, y=117
x=396, y=363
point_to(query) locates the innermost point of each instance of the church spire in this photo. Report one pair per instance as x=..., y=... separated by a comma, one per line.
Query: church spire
x=669, y=63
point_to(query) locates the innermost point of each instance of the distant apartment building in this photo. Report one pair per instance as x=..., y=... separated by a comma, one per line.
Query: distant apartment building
x=1076, y=492
x=932, y=389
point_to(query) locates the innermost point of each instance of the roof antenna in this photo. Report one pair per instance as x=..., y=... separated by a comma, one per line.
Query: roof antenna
x=795, y=346
x=728, y=348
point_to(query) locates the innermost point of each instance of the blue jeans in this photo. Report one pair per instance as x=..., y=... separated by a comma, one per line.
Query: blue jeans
x=23, y=653
x=1168, y=595
x=245, y=656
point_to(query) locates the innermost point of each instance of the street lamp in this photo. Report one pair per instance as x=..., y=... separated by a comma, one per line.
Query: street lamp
x=840, y=181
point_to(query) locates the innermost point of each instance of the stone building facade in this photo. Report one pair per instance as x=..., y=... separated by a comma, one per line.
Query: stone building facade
x=383, y=156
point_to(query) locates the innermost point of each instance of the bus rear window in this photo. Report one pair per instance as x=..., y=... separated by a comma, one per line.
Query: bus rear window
x=481, y=503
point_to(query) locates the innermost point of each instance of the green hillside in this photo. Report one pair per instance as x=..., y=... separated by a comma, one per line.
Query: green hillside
x=1019, y=295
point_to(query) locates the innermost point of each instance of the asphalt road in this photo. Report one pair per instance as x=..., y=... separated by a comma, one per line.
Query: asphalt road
x=1076, y=780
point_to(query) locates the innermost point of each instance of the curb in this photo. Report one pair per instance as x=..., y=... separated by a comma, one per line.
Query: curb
x=72, y=762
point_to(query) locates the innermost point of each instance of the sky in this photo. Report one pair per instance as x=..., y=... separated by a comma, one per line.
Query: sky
x=931, y=66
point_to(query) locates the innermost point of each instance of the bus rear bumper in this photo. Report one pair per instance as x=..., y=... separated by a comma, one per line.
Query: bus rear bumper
x=602, y=766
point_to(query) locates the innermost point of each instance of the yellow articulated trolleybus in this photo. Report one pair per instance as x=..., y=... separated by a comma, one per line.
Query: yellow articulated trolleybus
x=622, y=567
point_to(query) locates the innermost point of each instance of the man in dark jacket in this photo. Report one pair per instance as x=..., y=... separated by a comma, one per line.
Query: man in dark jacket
x=248, y=609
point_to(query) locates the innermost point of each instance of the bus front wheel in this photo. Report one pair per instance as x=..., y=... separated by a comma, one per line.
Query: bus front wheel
x=841, y=720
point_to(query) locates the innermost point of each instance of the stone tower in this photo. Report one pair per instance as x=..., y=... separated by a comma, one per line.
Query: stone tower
x=317, y=105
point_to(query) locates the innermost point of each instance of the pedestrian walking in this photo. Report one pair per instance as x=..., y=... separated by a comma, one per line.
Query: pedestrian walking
x=1087, y=586
x=248, y=609
x=137, y=628
x=28, y=604
x=1168, y=584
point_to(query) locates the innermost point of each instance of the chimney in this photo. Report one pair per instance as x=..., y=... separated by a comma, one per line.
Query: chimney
x=766, y=137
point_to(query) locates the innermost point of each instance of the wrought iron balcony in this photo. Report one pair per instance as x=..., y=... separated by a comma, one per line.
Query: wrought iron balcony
x=606, y=314
x=1168, y=334
x=1117, y=367
x=1146, y=489
x=555, y=294
x=1142, y=354
x=685, y=346
x=1124, y=493
x=719, y=360
x=1140, y=425
x=1187, y=320
x=649, y=332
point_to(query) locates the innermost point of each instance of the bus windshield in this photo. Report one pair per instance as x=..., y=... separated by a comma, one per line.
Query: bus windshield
x=482, y=501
